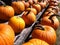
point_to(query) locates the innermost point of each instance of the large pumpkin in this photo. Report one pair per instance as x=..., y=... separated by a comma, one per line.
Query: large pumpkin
x=46, y=33
x=17, y=23
x=6, y=12
x=18, y=6
x=6, y=35
x=36, y=42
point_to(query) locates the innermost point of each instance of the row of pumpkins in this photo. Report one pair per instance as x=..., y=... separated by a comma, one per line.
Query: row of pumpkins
x=30, y=9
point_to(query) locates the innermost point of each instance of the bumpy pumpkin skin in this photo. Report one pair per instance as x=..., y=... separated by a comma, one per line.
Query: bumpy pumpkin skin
x=17, y=24
x=36, y=42
x=18, y=6
x=46, y=21
x=6, y=35
x=6, y=12
x=48, y=34
x=29, y=19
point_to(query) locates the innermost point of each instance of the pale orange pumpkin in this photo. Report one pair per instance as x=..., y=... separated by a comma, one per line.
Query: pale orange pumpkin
x=17, y=23
x=45, y=33
x=36, y=42
x=6, y=35
x=6, y=12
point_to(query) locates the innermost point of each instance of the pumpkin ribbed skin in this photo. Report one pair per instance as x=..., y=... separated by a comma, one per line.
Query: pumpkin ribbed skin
x=36, y=42
x=6, y=12
x=6, y=35
x=18, y=6
x=48, y=34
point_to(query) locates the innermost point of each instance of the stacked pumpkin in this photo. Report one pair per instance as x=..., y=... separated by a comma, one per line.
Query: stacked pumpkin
x=30, y=9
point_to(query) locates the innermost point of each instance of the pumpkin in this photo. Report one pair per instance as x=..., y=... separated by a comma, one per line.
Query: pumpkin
x=53, y=2
x=26, y=4
x=45, y=33
x=37, y=7
x=29, y=17
x=17, y=23
x=46, y=21
x=43, y=4
x=6, y=12
x=32, y=10
x=48, y=13
x=36, y=42
x=18, y=6
x=32, y=1
x=6, y=35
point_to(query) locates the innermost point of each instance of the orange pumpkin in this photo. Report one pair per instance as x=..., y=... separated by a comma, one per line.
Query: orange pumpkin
x=36, y=42
x=26, y=4
x=37, y=7
x=32, y=10
x=18, y=6
x=32, y=1
x=46, y=21
x=17, y=24
x=6, y=35
x=46, y=33
x=48, y=13
x=29, y=17
x=43, y=4
x=6, y=12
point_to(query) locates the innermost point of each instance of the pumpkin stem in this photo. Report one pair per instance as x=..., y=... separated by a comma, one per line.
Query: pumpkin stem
x=52, y=17
x=54, y=8
x=2, y=3
x=28, y=12
x=38, y=26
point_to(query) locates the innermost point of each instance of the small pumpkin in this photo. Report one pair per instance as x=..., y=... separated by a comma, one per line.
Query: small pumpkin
x=43, y=4
x=6, y=12
x=32, y=1
x=18, y=6
x=45, y=33
x=26, y=4
x=29, y=17
x=17, y=23
x=36, y=42
x=53, y=21
x=37, y=7
x=6, y=35
x=32, y=10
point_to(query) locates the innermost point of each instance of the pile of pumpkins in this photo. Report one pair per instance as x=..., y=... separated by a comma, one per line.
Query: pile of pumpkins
x=43, y=33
